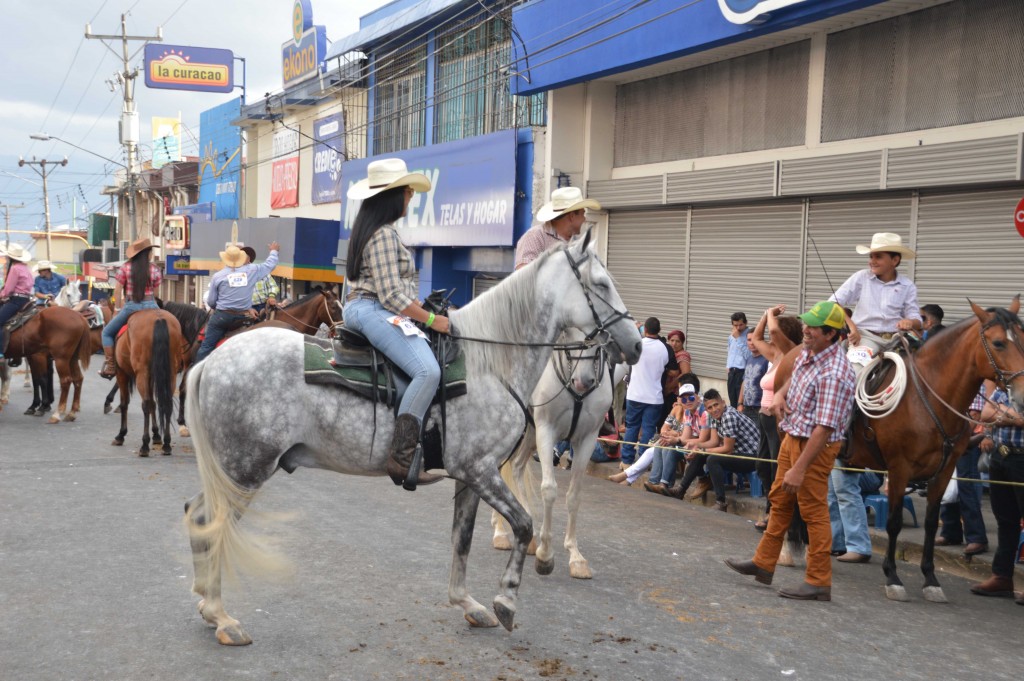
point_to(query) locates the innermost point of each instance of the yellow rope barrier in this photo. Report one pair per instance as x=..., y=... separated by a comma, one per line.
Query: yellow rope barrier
x=755, y=458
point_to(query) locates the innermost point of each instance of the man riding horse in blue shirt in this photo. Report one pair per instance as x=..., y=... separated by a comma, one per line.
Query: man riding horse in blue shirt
x=48, y=283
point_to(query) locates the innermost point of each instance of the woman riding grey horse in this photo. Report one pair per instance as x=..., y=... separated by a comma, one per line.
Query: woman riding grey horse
x=382, y=300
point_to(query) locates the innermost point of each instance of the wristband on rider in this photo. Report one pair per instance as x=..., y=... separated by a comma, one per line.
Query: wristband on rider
x=430, y=319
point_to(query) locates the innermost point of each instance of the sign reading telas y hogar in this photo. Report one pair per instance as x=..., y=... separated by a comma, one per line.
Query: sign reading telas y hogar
x=471, y=200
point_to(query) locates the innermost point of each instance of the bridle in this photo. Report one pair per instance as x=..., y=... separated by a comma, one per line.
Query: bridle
x=600, y=327
x=1004, y=378
x=327, y=310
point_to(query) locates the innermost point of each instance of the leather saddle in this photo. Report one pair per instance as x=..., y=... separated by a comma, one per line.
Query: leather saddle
x=92, y=312
x=350, y=362
x=20, y=318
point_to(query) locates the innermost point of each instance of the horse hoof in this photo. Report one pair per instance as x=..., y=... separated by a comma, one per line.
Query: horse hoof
x=117, y=409
x=107, y=407
x=544, y=567
x=934, y=594
x=896, y=592
x=505, y=609
x=580, y=569
x=481, y=619
x=531, y=550
x=183, y=431
x=501, y=542
x=166, y=451
x=143, y=453
x=232, y=635
x=71, y=417
x=31, y=411
x=54, y=419
x=117, y=442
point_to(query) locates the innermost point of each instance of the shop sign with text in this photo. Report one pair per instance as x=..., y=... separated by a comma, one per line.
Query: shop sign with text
x=179, y=67
x=302, y=56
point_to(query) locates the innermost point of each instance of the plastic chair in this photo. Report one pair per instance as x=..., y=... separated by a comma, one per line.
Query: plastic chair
x=756, y=489
x=879, y=503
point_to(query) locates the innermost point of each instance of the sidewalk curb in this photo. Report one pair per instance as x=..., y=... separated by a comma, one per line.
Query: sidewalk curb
x=948, y=560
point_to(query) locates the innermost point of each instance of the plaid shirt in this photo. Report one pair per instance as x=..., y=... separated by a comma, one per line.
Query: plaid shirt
x=535, y=241
x=742, y=429
x=1006, y=435
x=820, y=393
x=387, y=271
x=124, y=277
x=265, y=288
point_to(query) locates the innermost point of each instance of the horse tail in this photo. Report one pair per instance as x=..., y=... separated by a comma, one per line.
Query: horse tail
x=161, y=377
x=84, y=348
x=214, y=524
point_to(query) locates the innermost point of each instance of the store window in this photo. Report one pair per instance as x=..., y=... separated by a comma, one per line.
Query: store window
x=400, y=92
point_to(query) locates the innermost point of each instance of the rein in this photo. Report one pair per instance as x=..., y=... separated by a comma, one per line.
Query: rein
x=327, y=309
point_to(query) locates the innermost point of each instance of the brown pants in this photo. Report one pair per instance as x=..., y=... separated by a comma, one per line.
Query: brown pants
x=813, y=498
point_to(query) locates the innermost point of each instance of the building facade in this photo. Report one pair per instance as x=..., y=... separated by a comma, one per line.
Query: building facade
x=743, y=149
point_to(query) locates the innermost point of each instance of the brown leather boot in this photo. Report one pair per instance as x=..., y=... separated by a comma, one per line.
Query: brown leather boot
x=403, y=446
x=995, y=586
x=109, y=369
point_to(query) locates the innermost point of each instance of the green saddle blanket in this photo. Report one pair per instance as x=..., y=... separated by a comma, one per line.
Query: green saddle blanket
x=378, y=382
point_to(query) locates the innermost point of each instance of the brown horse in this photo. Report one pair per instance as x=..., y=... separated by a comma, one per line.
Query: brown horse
x=148, y=356
x=926, y=434
x=60, y=333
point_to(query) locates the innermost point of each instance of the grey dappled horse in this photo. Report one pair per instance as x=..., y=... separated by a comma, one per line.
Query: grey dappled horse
x=572, y=397
x=284, y=422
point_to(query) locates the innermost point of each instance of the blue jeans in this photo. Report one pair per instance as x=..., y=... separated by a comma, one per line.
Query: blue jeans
x=641, y=424
x=121, y=318
x=411, y=354
x=599, y=455
x=718, y=465
x=967, y=508
x=7, y=311
x=218, y=326
x=664, y=465
x=847, y=513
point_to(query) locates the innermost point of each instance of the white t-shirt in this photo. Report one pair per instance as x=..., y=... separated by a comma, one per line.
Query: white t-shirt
x=645, y=378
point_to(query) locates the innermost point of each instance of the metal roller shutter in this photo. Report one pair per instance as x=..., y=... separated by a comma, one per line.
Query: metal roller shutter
x=837, y=226
x=647, y=258
x=483, y=283
x=968, y=247
x=742, y=258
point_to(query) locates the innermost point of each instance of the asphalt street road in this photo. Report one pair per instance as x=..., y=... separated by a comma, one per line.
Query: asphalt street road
x=95, y=573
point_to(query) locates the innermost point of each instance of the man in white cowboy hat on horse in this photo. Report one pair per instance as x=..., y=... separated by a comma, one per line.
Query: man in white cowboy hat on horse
x=560, y=219
x=884, y=301
x=231, y=290
x=48, y=283
x=17, y=288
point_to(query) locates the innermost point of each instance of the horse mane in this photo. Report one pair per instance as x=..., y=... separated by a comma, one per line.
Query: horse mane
x=190, y=317
x=306, y=298
x=500, y=314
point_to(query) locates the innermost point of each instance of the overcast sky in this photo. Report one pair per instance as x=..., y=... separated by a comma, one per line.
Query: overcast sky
x=54, y=83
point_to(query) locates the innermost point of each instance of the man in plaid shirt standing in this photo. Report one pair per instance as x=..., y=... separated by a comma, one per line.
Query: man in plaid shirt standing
x=817, y=399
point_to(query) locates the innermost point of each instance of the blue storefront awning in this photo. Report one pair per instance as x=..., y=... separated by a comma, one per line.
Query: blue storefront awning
x=401, y=21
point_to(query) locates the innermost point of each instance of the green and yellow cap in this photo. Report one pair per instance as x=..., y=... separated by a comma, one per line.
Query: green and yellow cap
x=825, y=313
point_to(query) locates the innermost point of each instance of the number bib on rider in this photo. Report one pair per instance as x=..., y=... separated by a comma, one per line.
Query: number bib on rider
x=238, y=279
x=860, y=354
x=406, y=325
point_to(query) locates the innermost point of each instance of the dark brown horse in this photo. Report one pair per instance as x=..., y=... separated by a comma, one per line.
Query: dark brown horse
x=148, y=358
x=926, y=434
x=63, y=334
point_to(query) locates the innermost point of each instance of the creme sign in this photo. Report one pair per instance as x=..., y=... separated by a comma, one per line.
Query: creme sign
x=302, y=56
x=179, y=67
x=752, y=11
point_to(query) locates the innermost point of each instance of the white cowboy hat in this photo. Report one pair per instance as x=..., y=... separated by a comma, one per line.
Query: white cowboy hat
x=16, y=252
x=44, y=265
x=887, y=242
x=387, y=173
x=565, y=200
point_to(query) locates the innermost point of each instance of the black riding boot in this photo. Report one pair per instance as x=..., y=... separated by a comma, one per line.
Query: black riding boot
x=403, y=447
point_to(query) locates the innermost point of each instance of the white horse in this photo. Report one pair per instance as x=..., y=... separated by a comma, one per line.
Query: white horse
x=286, y=423
x=570, y=403
x=69, y=295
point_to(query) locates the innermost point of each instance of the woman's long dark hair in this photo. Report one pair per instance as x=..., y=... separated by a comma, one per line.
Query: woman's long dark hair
x=376, y=211
x=140, y=275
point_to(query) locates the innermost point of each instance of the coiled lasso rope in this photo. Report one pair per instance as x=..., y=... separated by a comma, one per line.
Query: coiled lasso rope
x=885, y=402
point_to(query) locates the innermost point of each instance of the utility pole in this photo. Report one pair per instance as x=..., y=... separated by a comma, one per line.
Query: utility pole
x=129, y=116
x=43, y=172
x=7, y=220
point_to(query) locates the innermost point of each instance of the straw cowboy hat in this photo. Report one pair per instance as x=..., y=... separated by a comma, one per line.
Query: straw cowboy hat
x=887, y=242
x=44, y=265
x=16, y=252
x=387, y=173
x=137, y=247
x=565, y=200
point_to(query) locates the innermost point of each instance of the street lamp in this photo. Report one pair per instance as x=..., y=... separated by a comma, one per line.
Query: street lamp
x=43, y=137
x=44, y=173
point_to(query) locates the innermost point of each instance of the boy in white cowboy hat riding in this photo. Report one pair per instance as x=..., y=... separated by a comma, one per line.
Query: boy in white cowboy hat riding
x=883, y=300
x=17, y=288
x=560, y=219
x=48, y=283
x=381, y=277
x=231, y=290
